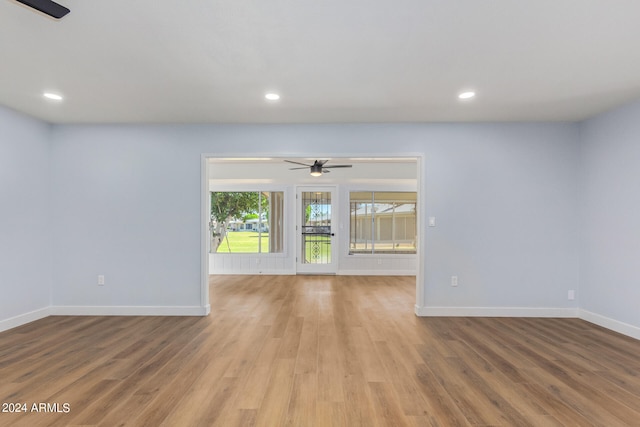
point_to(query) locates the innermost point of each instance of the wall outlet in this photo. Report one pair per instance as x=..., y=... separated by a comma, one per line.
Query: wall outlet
x=454, y=280
x=101, y=280
x=571, y=295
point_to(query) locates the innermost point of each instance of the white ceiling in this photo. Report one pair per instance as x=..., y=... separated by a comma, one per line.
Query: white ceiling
x=212, y=61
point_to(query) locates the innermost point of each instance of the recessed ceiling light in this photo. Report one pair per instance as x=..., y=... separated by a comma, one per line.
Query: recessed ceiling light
x=272, y=96
x=53, y=96
x=467, y=95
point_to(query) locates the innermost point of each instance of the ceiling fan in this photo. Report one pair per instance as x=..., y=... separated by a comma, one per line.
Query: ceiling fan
x=318, y=167
x=49, y=7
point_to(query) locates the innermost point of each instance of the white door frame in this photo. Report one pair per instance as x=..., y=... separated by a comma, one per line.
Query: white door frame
x=327, y=268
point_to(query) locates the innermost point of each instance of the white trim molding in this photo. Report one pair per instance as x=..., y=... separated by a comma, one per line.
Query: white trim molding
x=74, y=310
x=612, y=324
x=287, y=272
x=23, y=319
x=376, y=273
x=32, y=316
x=495, y=312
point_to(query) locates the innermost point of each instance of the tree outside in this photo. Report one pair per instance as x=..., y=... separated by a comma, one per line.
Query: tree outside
x=227, y=206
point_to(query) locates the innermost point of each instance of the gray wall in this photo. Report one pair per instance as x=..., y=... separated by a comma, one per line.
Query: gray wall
x=505, y=198
x=25, y=237
x=610, y=237
x=517, y=206
x=127, y=205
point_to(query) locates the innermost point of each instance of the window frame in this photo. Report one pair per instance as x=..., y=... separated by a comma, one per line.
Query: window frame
x=285, y=217
x=373, y=252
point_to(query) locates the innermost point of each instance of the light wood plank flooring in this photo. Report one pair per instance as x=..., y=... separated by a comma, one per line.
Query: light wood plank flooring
x=319, y=351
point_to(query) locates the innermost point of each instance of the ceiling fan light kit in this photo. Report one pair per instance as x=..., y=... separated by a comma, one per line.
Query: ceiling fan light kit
x=316, y=170
x=48, y=7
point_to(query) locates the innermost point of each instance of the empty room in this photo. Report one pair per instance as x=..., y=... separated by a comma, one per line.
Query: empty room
x=418, y=213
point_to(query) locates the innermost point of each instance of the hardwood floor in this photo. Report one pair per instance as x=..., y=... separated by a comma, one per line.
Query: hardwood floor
x=318, y=351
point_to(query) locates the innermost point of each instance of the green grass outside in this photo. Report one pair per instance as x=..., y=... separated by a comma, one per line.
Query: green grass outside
x=243, y=242
x=247, y=242
x=324, y=251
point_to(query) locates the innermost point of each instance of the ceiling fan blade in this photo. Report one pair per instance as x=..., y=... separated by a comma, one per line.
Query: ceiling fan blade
x=298, y=163
x=320, y=162
x=49, y=7
x=292, y=169
x=338, y=166
x=325, y=170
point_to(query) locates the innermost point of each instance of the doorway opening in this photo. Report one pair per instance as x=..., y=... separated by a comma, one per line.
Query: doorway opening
x=316, y=217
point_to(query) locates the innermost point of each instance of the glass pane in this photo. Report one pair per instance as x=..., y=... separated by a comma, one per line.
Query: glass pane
x=246, y=222
x=382, y=222
x=361, y=196
x=361, y=237
x=395, y=196
x=316, y=228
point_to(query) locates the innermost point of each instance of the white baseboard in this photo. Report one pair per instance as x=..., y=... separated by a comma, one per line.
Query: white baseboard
x=253, y=273
x=495, y=312
x=129, y=311
x=612, y=324
x=32, y=316
x=338, y=273
x=23, y=319
x=376, y=273
x=605, y=322
x=293, y=272
x=597, y=319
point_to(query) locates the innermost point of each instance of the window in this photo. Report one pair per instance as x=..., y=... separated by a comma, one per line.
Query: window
x=382, y=222
x=246, y=222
